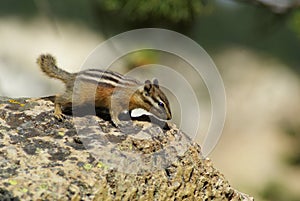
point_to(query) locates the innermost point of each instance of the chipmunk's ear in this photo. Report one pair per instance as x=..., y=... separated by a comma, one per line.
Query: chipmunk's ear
x=147, y=86
x=155, y=82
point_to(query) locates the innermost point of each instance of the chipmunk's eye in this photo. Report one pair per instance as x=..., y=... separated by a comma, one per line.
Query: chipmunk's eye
x=161, y=104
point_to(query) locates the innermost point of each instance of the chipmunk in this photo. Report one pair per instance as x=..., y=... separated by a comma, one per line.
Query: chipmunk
x=105, y=89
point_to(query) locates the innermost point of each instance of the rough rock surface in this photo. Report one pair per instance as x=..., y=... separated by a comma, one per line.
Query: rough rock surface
x=86, y=158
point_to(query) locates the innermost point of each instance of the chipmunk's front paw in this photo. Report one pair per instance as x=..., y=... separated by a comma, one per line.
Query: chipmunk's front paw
x=122, y=124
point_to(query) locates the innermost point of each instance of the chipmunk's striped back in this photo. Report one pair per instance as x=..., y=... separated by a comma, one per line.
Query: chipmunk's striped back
x=108, y=78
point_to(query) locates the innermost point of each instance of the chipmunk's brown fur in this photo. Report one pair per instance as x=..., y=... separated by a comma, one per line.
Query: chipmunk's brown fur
x=105, y=89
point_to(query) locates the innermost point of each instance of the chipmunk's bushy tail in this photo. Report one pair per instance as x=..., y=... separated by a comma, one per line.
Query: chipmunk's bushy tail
x=48, y=65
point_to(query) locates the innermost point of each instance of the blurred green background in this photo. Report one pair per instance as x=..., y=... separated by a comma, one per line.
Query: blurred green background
x=255, y=44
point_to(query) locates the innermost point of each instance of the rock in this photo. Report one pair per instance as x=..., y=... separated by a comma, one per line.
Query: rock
x=86, y=158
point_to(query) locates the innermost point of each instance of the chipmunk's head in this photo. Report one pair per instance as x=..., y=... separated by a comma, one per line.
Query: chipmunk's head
x=154, y=100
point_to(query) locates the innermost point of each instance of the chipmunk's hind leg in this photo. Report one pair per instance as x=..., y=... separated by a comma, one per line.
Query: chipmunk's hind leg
x=61, y=100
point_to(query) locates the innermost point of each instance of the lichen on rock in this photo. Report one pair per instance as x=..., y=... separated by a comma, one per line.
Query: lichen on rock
x=86, y=158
